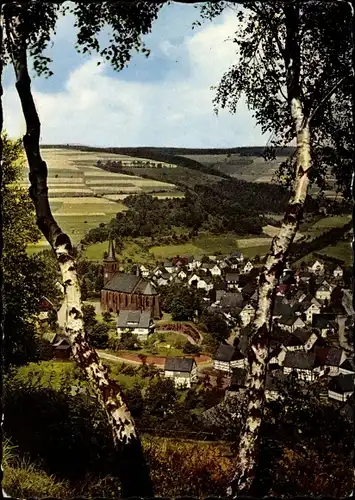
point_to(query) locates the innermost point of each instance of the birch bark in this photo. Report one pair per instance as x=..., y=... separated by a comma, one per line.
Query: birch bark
x=2, y=493
x=248, y=447
x=132, y=469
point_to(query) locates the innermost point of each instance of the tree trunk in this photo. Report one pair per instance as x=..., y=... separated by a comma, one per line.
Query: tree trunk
x=132, y=469
x=2, y=493
x=248, y=447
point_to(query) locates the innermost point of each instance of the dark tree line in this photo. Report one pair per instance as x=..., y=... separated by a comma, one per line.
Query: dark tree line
x=232, y=205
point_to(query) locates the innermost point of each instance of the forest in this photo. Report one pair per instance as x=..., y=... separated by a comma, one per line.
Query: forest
x=229, y=206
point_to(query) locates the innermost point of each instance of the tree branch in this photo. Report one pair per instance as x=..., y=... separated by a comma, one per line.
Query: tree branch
x=133, y=471
x=326, y=97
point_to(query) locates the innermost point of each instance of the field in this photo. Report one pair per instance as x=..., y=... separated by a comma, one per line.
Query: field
x=209, y=244
x=82, y=195
x=251, y=168
x=204, y=244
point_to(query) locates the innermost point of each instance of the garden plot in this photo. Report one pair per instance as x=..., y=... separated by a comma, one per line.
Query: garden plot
x=115, y=189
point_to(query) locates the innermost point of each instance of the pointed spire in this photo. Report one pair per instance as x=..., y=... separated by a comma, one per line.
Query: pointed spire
x=111, y=250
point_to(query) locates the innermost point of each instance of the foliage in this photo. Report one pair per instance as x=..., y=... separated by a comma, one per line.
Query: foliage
x=181, y=302
x=107, y=316
x=97, y=332
x=129, y=340
x=261, y=75
x=98, y=335
x=209, y=208
x=191, y=348
x=25, y=279
x=216, y=325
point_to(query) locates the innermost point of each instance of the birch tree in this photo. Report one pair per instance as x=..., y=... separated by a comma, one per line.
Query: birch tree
x=28, y=27
x=292, y=69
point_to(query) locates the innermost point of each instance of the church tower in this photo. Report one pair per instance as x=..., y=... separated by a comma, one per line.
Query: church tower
x=110, y=263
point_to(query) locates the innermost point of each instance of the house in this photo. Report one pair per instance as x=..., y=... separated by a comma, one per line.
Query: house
x=158, y=271
x=206, y=267
x=219, y=295
x=341, y=387
x=45, y=306
x=338, y=272
x=281, y=290
x=144, y=271
x=291, y=323
x=303, y=277
x=169, y=267
x=182, y=274
x=231, y=300
x=227, y=358
x=325, y=323
x=329, y=359
x=248, y=267
x=277, y=355
x=282, y=308
x=238, y=256
x=232, y=280
x=216, y=270
x=60, y=347
x=317, y=268
x=247, y=314
x=205, y=284
x=347, y=367
x=309, y=309
x=162, y=281
x=194, y=279
x=324, y=292
x=196, y=263
x=138, y=322
x=299, y=340
x=183, y=371
x=301, y=364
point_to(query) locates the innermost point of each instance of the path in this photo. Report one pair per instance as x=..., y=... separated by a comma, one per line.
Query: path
x=117, y=359
x=159, y=361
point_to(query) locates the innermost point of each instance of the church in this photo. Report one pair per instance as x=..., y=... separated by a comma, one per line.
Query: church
x=126, y=291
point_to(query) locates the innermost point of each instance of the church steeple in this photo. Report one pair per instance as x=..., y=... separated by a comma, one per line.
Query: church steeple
x=110, y=263
x=111, y=251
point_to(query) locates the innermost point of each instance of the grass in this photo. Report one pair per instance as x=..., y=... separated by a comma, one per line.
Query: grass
x=251, y=252
x=329, y=223
x=72, y=173
x=204, y=244
x=342, y=250
x=46, y=372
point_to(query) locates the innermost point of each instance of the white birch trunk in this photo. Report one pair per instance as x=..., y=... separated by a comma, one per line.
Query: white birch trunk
x=132, y=468
x=248, y=448
x=2, y=492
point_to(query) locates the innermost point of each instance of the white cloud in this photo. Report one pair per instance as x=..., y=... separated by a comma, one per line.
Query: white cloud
x=97, y=109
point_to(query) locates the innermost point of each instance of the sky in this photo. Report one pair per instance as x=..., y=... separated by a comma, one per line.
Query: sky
x=162, y=100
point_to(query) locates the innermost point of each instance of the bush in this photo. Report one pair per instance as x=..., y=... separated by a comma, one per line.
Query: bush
x=191, y=348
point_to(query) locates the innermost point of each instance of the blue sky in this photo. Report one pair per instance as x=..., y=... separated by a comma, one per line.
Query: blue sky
x=163, y=100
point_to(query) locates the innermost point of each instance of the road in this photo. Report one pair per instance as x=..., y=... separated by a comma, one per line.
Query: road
x=117, y=359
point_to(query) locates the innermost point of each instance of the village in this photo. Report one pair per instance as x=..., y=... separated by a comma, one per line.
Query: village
x=312, y=321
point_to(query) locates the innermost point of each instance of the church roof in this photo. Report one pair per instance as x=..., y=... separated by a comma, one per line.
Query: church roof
x=146, y=288
x=130, y=283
